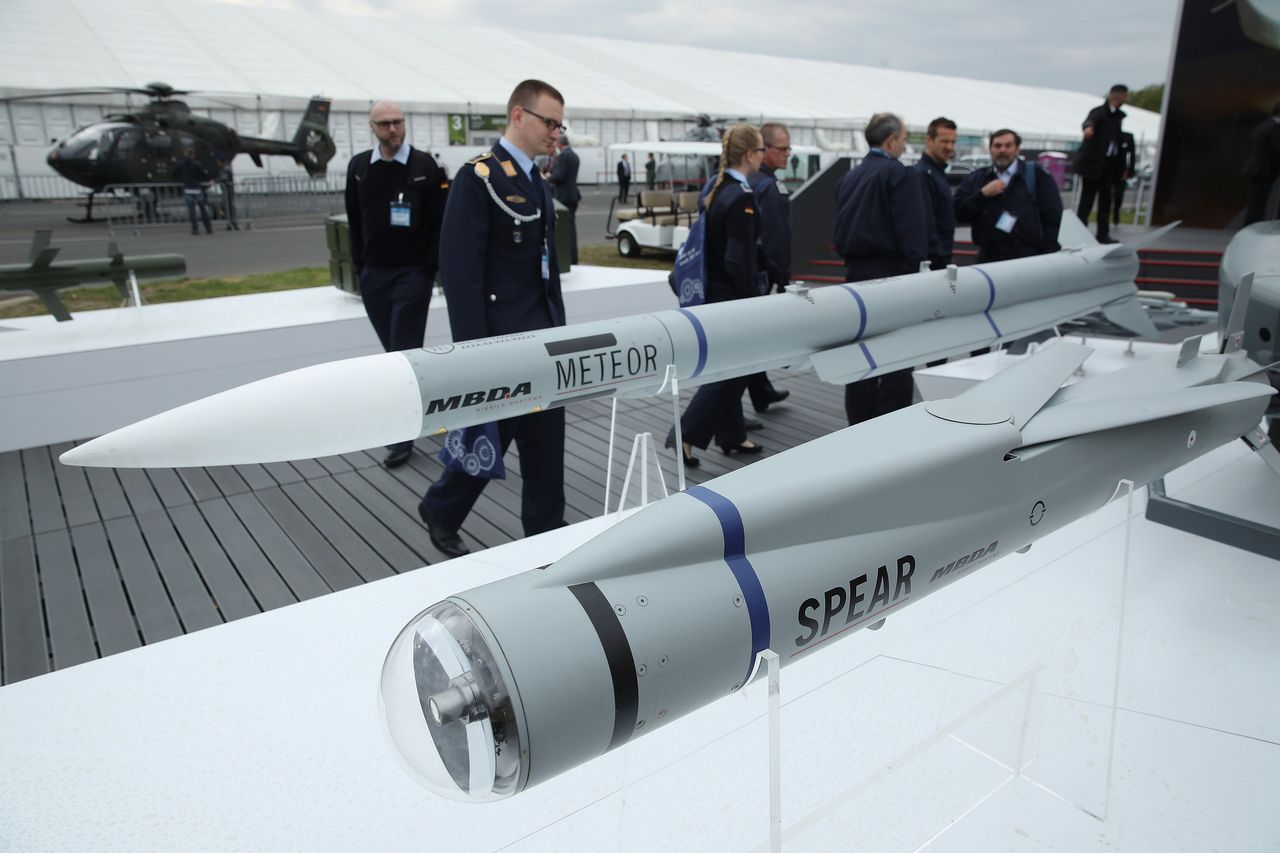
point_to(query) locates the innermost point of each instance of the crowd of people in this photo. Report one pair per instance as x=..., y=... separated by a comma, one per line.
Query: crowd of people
x=490, y=235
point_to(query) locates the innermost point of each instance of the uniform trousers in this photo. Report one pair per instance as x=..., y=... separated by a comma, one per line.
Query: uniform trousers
x=879, y=395
x=540, y=441
x=396, y=300
x=716, y=412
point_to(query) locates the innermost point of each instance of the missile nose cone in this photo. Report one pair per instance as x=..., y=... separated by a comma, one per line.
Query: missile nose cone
x=316, y=411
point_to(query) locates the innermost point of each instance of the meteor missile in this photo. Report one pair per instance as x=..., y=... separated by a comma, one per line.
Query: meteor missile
x=503, y=686
x=846, y=332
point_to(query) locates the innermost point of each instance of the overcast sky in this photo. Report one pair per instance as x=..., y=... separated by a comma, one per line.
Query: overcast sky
x=1080, y=45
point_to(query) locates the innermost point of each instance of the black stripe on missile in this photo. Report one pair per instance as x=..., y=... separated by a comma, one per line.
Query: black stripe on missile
x=617, y=652
x=590, y=342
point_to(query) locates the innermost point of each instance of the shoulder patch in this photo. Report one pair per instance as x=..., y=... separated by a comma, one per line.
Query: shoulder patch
x=508, y=168
x=476, y=159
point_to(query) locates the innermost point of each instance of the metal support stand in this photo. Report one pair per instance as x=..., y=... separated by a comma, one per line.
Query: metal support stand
x=608, y=459
x=643, y=448
x=1127, y=486
x=1218, y=526
x=670, y=377
x=770, y=659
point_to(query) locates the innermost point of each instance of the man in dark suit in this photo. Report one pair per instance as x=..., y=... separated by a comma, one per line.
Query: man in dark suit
x=1013, y=206
x=498, y=267
x=1263, y=165
x=624, y=178
x=564, y=189
x=1100, y=160
x=395, y=197
x=881, y=230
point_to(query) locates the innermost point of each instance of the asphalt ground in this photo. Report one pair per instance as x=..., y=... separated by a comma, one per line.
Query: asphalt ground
x=271, y=245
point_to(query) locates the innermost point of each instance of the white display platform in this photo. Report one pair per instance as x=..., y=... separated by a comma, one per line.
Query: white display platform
x=264, y=733
x=105, y=369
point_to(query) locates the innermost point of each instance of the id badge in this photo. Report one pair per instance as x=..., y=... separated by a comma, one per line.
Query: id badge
x=1006, y=222
x=546, y=262
x=400, y=217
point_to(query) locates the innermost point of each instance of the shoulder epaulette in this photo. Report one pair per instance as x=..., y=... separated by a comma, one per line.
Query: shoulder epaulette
x=476, y=159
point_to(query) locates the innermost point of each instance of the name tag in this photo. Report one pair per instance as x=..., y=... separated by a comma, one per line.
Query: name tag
x=400, y=217
x=1006, y=222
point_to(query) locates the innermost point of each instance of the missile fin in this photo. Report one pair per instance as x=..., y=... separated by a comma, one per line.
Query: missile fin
x=40, y=254
x=1233, y=335
x=1072, y=233
x=1065, y=420
x=1023, y=389
x=1129, y=314
x=1131, y=247
x=53, y=303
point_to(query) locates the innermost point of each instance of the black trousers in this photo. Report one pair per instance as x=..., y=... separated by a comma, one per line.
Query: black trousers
x=540, y=441
x=573, y=232
x=1257, y=209
x=624, y=188
x=1100, y=188
x=716, y=412
x=396, y=300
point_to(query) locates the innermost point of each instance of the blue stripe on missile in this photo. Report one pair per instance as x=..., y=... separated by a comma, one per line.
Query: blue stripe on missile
x=986, y=312
x=702, y=341
x=866, y=353
x=862, y=309
x=735, y=555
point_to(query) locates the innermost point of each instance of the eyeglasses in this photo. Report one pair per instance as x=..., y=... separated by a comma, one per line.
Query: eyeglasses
x=388, y=123
x=551, y=123
x=780, y=147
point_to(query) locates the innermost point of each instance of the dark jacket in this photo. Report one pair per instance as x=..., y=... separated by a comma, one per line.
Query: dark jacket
x=564, y=178
x=773, y=209
x=1035, y=232
x=493, y=282
x=733, y=226
x=1263, y=163
x=939, y=209
x=1091, y=159
x=880, y=215
x=370, y=190
x=191, y=174
x=624, y=172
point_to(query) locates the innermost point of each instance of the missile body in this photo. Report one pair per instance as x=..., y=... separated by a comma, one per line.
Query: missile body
x=846, y=332
x=505, y=685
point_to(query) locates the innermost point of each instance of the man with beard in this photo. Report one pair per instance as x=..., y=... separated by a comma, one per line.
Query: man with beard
x=1013, y=206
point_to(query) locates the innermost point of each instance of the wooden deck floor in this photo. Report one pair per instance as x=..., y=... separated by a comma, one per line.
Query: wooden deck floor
x=99, y=561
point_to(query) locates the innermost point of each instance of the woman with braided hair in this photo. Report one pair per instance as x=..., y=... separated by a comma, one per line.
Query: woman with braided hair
x=730, y=251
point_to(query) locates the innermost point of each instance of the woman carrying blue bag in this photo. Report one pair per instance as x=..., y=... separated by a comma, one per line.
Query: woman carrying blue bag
x=732, y=227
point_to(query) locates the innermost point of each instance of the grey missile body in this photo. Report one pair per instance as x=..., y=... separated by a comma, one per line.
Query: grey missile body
x=846, y=332
x=42, y=276
x=505, y=685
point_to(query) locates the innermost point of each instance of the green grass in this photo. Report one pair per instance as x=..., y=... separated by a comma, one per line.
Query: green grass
x=607, y=256
x=174, y=290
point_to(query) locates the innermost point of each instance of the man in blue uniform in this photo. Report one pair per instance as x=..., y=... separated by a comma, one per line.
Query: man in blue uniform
x=939, y=148
x=773, y=202
x=395, y=198
x=564, y=189
x=881, y=230
x=1014, y=207
x=498, y=267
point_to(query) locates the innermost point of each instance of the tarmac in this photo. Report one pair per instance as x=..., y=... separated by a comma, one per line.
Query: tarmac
x=271, y=245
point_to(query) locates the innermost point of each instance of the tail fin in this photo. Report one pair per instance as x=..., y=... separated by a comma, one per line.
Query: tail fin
x=315, y=146
x=41, y=254
x=1233, y=335
x=1131, y=247
x=1072, y=233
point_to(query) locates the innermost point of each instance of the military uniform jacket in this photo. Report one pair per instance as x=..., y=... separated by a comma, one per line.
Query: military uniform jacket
x=880, y=213
x=939, y=207
x=773, y=202
x=564, y=178
x=496, y=223
x=733, y=227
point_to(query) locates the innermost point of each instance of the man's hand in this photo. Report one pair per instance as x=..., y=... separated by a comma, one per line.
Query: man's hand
x=1088, y=131
x=994, y=188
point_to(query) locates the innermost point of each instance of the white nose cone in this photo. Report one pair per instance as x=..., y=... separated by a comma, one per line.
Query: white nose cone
x=316, y=411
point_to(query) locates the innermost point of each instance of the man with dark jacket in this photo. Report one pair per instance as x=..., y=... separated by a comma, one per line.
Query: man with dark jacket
x=395, y=199
x=1100, y=160
x=564, y=189
x=1263, y=165
x=939, y=148
x=773, y=202
x=1013, y=206
x=881, y=230
x=194, y=178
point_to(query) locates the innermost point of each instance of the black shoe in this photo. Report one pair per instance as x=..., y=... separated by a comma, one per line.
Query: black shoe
x=397, y=457
x=690, y=461
x=744, y=449
x=449, y=544
x=1106, y=239
x=752, y=423
x=775, y=397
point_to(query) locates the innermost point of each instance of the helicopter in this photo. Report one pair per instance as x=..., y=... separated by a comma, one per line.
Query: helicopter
x=142, y=147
